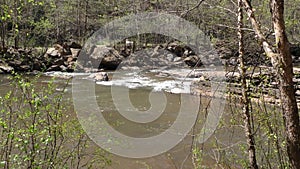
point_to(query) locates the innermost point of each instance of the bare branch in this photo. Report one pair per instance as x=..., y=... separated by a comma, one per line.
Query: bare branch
x=257, y=29
x=231, y=27
x=183, y=14
x=223, y=8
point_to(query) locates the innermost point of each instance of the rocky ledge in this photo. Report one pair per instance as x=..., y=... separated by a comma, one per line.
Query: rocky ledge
x=63, y=57
x=262, y=85
x=57, y=58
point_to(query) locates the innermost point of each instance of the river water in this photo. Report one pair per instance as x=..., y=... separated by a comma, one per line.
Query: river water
x=139, y=88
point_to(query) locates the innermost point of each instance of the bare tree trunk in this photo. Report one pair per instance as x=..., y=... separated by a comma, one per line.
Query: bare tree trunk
x=245, y=97
x=282, y=63
x=284, y=66
x=78, y=22
x=16, y=24
x=3, y=26
x=86, y=18
x=3, y=29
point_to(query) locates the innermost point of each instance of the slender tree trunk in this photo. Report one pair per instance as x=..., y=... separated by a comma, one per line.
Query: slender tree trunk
x=245, y=97
x=3, y=27
x=282, y=63
x=86, y=17
x=15, y=24
x=78, y=19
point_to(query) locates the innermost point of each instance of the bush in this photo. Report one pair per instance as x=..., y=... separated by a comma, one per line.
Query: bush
x=36, y=130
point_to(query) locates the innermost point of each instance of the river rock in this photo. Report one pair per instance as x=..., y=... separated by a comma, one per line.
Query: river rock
x=38, y=65
x=71, y=66
x=24, y=68
x=193, y=61
x=177, y=59
x=52, y=52
x=59, y=61
x=74, y=45
x=70, y=58
x=170, y=57
x=6, y=69
x=99, y=76
x=175, y=48
x=75, y=52
x=58, y=50
x=15, y=63
x=54, y=68
x=104, y=57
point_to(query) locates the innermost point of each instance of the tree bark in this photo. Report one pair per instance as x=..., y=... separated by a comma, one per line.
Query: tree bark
x=245, y=97
x=282, y=63
x=3, y=27
x=284, y=68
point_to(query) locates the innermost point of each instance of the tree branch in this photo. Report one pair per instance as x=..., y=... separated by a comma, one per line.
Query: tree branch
x=183, y=14
x=256, y=26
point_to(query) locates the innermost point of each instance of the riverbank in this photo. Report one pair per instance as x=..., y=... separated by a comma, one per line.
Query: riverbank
x=57, y=58
x=163, y=61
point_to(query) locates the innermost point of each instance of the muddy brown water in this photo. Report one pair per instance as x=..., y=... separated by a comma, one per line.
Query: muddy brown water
x=179, y=157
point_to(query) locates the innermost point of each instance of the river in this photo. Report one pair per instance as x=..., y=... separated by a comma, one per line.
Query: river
x=138, y=87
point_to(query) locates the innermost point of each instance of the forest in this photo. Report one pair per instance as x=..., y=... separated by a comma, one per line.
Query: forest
x=257, y=42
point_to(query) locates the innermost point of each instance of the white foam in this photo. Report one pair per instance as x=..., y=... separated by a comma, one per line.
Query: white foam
x=132, y=80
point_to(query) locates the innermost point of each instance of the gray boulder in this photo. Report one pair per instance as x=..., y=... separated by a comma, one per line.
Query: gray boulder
x=103, y=57
x=52, y=52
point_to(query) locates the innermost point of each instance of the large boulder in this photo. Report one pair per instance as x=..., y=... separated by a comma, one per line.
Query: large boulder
x=58, y=51
x=103, y=57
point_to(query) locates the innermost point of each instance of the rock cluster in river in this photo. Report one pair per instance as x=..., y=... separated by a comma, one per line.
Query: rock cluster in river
x=63, y=57
x=57, y=58
x=168, y=55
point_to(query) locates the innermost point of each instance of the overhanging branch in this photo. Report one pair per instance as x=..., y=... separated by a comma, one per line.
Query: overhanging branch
x=256, y=26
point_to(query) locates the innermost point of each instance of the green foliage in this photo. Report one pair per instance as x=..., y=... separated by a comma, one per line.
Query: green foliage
x=79, y=19
x=36, y=130
x=197, y=157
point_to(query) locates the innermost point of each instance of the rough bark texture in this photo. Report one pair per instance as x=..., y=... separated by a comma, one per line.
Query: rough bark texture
x=245, y=98
x=282, y=63
x=285, y=73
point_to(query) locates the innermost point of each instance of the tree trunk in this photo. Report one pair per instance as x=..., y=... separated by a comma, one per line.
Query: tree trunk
x=16, y=24
x=282, y=63
x=3, y=27
x=245, y=97
x=284, y=67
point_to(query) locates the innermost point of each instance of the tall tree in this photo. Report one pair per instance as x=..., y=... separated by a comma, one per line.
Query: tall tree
x=282, y=63
x=245, y=96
